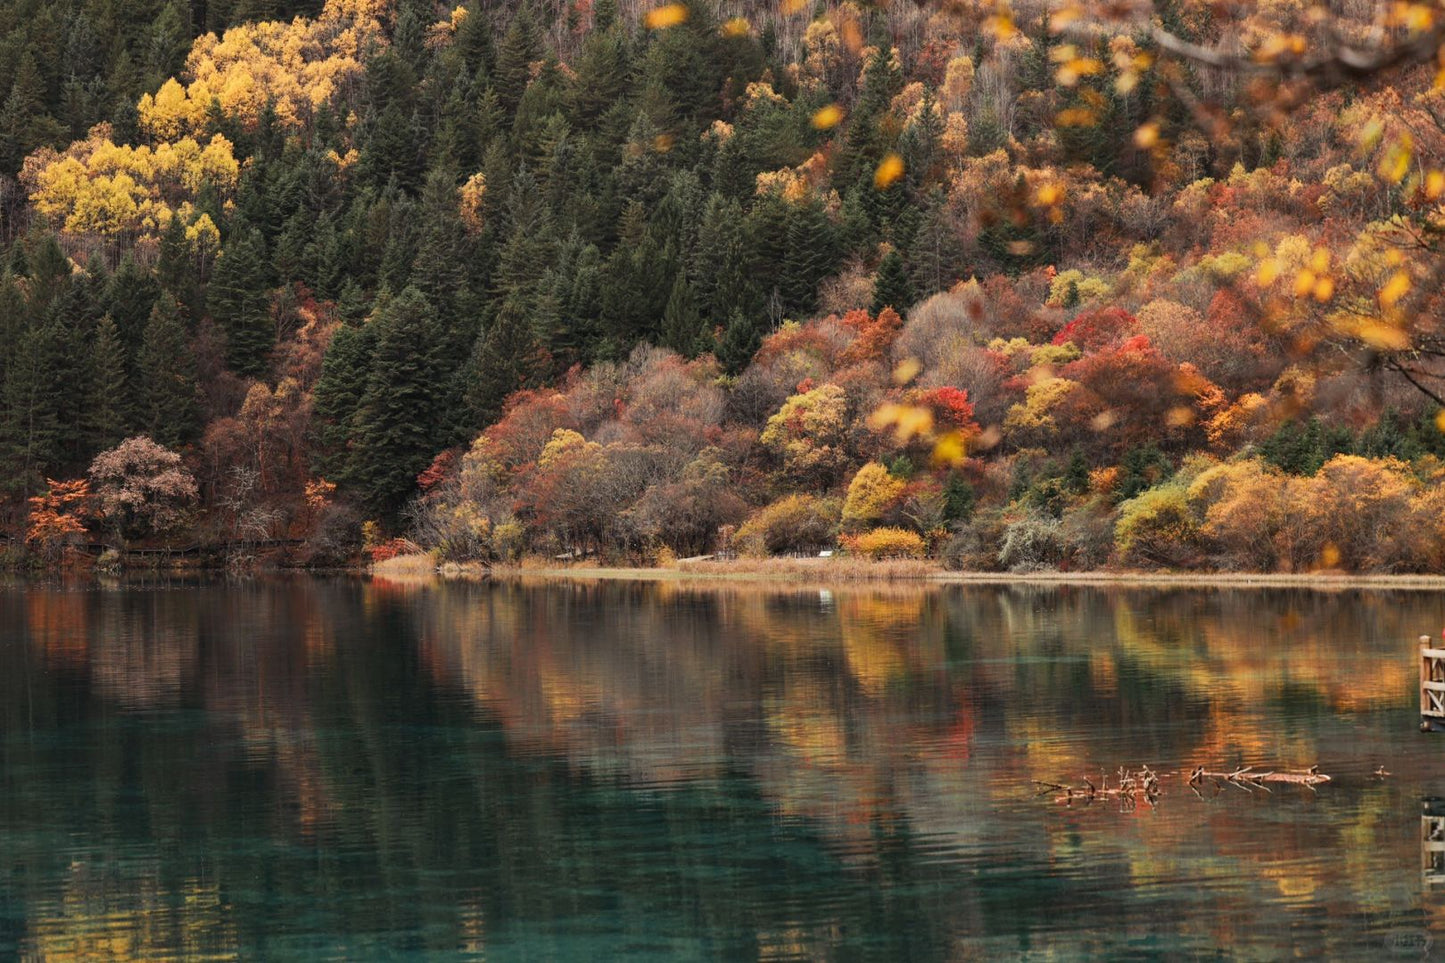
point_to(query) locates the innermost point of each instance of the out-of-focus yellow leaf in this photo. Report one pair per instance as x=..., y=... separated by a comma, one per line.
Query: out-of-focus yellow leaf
x=737, y=27
x=1069, y=74
x=1434, y=185
x=1395, y=289
x=1001, y=25
x=1268, y=272
x=1304, y=282
x=1371, y=133
x=1440, y=421
x=1146, y=136
x=1076, y=117
x=1329, y=555
x=1064, y=17
x=906, y=371
x=1180, y=416
x=1378, y=334
x=950, y=449
x=907, y=421
x=790, y=7
x=888, y=172
x=1049, y=194
x=1396, y=162
x=827, y=117
x=1324, y=289
x=668, y=15
x=1104, y=420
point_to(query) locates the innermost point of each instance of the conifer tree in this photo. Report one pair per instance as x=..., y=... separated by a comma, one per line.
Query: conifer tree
x=893, y=288
x=402, y=415
x=239, y=302
x=345, y=373
x=175, y=267
x=129, y=297
x=167, y=378
x=520, y=46
x=30, y=426
x=507, y=354
x=739, y=342
x=108, y=414
x=682, y=328
x=811, y=255
x=721, y=261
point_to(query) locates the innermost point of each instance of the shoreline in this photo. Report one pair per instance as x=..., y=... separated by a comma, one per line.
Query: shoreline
x=852, y=572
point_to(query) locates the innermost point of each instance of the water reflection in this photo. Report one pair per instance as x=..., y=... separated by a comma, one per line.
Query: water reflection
x=344, y=769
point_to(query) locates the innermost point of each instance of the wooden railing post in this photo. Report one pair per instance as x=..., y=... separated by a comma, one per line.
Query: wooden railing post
x=1432, y=686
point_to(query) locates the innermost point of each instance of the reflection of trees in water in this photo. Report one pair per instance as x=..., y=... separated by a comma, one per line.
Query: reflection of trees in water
x=478, y=761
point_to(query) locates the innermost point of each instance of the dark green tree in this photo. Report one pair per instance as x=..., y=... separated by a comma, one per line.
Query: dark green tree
x=108, y=408
x=401, y=421
x=239, y=300
x=682, y=326
x=893, y=288
x=506, y=358
x=166, y=370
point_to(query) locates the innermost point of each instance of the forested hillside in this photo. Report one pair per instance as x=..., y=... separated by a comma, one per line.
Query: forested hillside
x=1014, y=288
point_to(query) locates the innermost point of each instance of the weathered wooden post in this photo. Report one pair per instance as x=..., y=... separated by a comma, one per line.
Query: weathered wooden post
x=1432, y=687
x=1432, y=843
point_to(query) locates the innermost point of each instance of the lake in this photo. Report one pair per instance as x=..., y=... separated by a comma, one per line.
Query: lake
x=349, y=769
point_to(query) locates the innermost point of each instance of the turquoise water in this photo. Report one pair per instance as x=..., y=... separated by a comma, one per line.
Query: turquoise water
x=368, y=770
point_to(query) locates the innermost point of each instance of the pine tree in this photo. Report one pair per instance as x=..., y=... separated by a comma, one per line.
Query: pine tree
x=507, y=356
x=403, y=412
x=108, y=415
x=740, y=341
x=345, y=373
x=13, y=318
x=721, y=261
x=439, y=270
x=239, y=301
x=893, y=288
x=129, y=297
x=25, y=122
x=176, y=267
x=682, y=327
x=603, y=71
x=30, y=427
x=521, y=45
x=935, y=252
x=811, y=255
x=167, y=385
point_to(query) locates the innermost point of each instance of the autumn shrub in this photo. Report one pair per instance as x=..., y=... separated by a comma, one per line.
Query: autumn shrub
x=888, y=542
x=795, y=523
x=1032, y=542
x=141, y=488
x=1360, y=512
x=1243, y=509
x=1158, y=528
x=393, y=548
x=975, y=545
x=55, y=521
x=808, y=433
x=1087, y=530
x=872, y=494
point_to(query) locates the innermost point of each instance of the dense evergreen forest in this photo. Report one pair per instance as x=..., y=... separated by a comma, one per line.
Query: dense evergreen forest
x=550, y=277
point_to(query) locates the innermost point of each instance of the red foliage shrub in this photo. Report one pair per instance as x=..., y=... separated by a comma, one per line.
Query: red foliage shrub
x=1099, y=328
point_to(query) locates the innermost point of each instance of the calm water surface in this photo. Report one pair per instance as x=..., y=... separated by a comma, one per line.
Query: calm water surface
x=366, y=770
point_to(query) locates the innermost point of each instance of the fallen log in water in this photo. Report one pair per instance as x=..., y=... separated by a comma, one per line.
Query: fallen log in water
x=1131, y=786
x=1245, y=776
